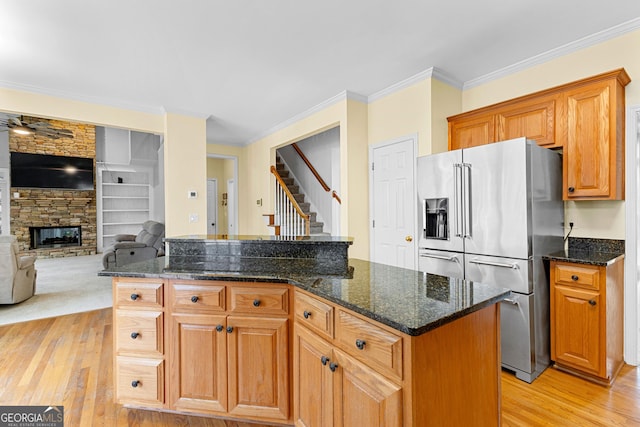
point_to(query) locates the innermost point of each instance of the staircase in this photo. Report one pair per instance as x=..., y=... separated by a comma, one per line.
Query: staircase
x=315, y=227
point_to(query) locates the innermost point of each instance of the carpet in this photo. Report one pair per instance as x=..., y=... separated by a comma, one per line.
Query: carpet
x=63, y=286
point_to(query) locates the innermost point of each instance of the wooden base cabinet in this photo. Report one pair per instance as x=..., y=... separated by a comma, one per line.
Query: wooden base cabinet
x=347, y=392
x=587, y=319
x=224, y=361
x=375, y=376
x=138, y=341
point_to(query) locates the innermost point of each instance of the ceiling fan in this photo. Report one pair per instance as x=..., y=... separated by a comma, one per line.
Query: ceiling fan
x=20, y=127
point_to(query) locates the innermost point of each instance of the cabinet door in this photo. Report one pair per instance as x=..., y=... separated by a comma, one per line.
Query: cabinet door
x=590, y=159
x=258, y=367
x=364, y=397
x=198, y=363
x=533, y=119
x=312, y=381
x=470, y=132
x=576, y=329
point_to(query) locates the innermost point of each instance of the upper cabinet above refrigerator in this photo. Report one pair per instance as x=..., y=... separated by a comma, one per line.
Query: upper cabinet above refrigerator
x=585, y=119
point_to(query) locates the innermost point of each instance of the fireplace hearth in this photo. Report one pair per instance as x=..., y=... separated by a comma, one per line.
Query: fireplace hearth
x=55, y=237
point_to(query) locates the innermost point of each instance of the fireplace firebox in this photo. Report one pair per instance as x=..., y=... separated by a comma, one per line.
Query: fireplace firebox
x=55, y=237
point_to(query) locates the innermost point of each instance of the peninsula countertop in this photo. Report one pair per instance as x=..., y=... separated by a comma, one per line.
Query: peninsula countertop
x=409, y=301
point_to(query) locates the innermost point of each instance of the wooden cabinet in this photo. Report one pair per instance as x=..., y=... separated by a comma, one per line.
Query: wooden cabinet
x=230, y=349
x=350, y=370
x=465, y=132
x=586, y=319
x=138, y=341
x=335, y=389
x=584, y=118
x=593, y=131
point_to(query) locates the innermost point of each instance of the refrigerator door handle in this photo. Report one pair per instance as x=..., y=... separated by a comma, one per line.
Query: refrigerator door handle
x=457, y=182
x=466, y=185
x=451, y=258
x=494, y=264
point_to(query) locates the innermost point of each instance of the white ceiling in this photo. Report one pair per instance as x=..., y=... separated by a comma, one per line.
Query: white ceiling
x=250, y=65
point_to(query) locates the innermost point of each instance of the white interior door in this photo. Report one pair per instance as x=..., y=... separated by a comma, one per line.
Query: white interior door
x=212, y=206
x=231, y=207
x=393, y=198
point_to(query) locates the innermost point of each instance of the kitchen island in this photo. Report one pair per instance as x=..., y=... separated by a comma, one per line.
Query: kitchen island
x=368, y=345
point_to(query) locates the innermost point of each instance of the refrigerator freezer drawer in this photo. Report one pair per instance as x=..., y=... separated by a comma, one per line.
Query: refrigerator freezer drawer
x=501, y=272
x=441, y=262
x=515, y=335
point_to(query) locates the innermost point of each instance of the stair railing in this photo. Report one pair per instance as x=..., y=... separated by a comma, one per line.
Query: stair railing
x=315, y=173
x=288, y=214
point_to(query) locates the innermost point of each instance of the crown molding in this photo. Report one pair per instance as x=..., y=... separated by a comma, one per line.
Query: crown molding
x=342, y=96
x=432, y=72
x=183, y=112
x=566, y=49
x=81, y=98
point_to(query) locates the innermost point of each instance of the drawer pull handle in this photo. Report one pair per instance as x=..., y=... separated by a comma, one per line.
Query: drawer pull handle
x=256, y=303
x=571, y=189
x=574, y=278
x=324, y=360
x=306, y=314
x=135, y=383
x=333, y=366
x=134, y=297
x=135, y=335
x=194, y=299
x=592, y=302
x=360, y=344
x=229, y=329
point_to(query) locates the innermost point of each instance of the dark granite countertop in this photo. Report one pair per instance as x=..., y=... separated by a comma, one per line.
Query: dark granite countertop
x=409, y=301
x=321, y=239
x=600, y=252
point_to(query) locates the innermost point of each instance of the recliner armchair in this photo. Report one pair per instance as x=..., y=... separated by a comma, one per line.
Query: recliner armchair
x=17, y=273
x=130, y=248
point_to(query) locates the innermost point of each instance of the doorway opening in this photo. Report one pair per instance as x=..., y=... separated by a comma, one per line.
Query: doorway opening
x=222, y=200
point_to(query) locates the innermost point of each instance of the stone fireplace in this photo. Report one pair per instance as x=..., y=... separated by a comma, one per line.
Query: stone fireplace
x=46, y=209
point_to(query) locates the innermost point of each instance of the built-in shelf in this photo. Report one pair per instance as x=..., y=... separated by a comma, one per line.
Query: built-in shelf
x=122, y=206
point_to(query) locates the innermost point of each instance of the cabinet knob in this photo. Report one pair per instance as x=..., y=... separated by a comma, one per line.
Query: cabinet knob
x=333, y=366
x=306, y=314
x=256, y=303
x=324, y=360
x=219, y=328
x=134, y=297
x=574, y=278
x=135, y=335
x=229, y=329
x=571, y=189
x=194, y=299
x=360, y=344
x=135, y=383
x=592, y=302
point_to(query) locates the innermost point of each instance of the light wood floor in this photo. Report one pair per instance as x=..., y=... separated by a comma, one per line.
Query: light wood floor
x=67, y=361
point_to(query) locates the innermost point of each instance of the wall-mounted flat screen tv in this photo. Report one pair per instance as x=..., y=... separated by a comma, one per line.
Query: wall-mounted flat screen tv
x=47, y=171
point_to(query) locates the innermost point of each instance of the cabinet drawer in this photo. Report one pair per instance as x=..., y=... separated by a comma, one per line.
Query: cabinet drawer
x=140, y=380
x=139, y=332
x=370, y=343
x=263, y=299
x=314, y=314
x=200, y=298
x=577, y=276
x=132, y=293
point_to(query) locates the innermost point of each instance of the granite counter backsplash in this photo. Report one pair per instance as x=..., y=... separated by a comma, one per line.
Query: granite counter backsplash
x=590, y=251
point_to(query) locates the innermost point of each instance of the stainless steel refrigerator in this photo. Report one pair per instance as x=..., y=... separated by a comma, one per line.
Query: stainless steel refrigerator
x=488, y=214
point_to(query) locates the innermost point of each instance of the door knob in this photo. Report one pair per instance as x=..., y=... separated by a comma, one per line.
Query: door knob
x=409, y=238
